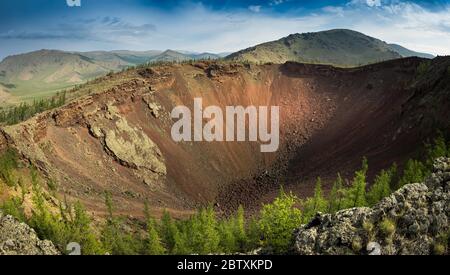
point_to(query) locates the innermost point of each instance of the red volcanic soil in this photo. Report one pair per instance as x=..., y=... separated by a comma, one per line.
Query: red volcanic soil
x=119, y=140
x=379, y=111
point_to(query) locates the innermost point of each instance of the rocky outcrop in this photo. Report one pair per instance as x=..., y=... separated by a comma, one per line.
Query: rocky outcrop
x=17, y=238
x=154, y=107
x=413, y=220
x=129, y=145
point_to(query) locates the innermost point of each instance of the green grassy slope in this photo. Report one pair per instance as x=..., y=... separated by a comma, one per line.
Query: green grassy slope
x=39, y=74
x=42, y=73
x=339, y=47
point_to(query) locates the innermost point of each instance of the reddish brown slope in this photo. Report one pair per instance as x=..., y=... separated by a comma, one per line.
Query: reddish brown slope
x=384, y=112
x=119, y=140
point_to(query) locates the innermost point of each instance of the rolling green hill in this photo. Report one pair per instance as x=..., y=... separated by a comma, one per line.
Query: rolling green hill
x=42, y=73
x=38, y=74
x=339, y=47
x=170, y=55
x=120, y=59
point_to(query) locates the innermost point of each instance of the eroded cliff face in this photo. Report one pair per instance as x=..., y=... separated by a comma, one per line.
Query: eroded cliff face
x=119, y=140
x=413, y=220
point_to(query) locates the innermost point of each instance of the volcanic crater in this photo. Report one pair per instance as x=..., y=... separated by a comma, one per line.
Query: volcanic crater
x=119, y=139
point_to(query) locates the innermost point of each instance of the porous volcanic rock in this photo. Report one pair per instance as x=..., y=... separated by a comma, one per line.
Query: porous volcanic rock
x=17, y=238
x=129, y=145
x=412, y=220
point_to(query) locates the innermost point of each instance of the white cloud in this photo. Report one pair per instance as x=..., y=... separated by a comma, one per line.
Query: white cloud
x=404, y=23
x=373, y=3
x=254, y=8
x=336, y=10
x=370, y=3
x=276, y=2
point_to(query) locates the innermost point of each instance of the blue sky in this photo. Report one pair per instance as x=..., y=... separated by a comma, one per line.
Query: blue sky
x=213, y=26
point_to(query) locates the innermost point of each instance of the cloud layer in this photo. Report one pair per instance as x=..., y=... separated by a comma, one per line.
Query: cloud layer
x=198, y=27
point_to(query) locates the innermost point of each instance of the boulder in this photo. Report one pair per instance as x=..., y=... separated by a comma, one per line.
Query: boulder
x=17, y=238
x=412, y=220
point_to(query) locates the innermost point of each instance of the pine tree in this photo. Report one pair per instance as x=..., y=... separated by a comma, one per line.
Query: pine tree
x=319, y=201
x=436, y=150
x=8, y=162
x=239, y=229
x=41, y=217
x=14, y=207
x=228, y=241
x=24, y=110
x=169, y=231
x=202, y=232
x=253, y=235
x=314, y=204
x=114, y=240
x=278, y=220
x=181, y=243
x=336, y=195
x=209, y=229
x=415, y=171
x=393, y=170
x=154, y=245
x=380, y=188
x=356, y=195
x=82, y=233
x=47, y=224
x=109, y=205
x=23, y=189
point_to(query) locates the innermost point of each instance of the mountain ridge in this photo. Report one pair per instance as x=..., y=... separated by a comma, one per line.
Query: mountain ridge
x=46, y=71
x=404, y=52
x=337, y=47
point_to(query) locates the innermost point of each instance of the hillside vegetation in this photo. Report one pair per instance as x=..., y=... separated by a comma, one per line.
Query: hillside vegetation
x=339, y=47
x=40, y=74
x=36, y=202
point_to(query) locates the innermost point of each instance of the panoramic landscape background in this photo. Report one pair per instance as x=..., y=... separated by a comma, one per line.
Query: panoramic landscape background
x=87, y=156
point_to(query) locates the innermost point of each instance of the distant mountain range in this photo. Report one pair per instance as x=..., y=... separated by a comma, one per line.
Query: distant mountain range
x=404, y=52
x=339, y=47
x=46, y=71
x=42, y=73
